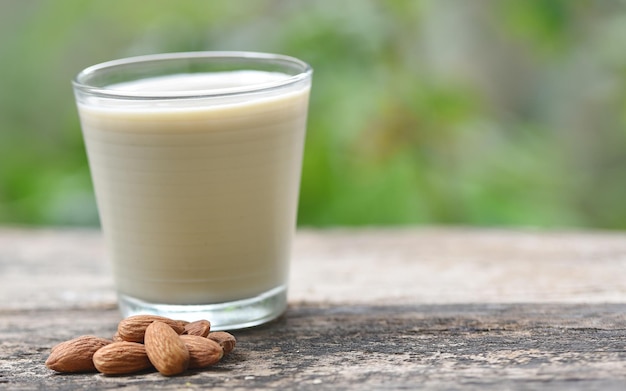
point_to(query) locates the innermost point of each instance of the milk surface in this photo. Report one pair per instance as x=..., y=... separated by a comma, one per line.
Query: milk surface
x=198, y=198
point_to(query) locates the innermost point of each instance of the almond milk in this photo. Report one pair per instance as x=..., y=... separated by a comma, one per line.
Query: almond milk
x=198, y=199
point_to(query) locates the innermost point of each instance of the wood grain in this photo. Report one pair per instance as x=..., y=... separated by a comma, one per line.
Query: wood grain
x=415, y=308
x=488, y=347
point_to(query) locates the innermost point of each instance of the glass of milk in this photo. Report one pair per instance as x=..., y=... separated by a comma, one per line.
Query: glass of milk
x=196, y=160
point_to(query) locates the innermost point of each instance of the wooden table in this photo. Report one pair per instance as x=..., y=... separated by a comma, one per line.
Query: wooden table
x=410, y=308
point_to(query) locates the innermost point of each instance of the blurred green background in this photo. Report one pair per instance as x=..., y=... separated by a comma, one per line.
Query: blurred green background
x=468, y=112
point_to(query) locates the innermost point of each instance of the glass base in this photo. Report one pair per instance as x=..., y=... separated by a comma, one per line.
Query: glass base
x=223, y=316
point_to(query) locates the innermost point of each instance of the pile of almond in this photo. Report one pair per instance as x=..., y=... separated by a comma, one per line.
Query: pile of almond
x=143, y=342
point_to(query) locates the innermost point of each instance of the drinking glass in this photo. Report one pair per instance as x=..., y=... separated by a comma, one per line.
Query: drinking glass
x=195, y=160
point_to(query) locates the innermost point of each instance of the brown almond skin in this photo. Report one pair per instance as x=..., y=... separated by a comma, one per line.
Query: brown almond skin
x=75, y=355
x=121, y=358
x=166, y=350
x=226, y=340
x=199, y=327
x=203, y=352
x=183, y=323
x=133, y=328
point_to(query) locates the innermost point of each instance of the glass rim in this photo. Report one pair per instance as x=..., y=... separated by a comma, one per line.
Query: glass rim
x=104, y=92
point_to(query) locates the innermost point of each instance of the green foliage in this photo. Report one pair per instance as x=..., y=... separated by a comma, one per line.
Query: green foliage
x=482, y=112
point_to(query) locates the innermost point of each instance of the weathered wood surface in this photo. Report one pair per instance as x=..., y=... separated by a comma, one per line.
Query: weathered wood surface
x=369, y=309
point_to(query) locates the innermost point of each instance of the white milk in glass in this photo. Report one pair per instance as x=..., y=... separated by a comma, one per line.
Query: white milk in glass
x=198, y=200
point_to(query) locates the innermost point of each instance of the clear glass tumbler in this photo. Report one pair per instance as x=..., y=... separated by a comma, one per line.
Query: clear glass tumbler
x=196, y=160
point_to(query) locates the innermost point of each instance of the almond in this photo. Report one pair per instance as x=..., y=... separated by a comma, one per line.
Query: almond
x=203, y=352
x=133, y=328
x=75, y=355
x=226, y=340
x=199, y=327
x=183, y=323
x=165, y=349
x=121, y=358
